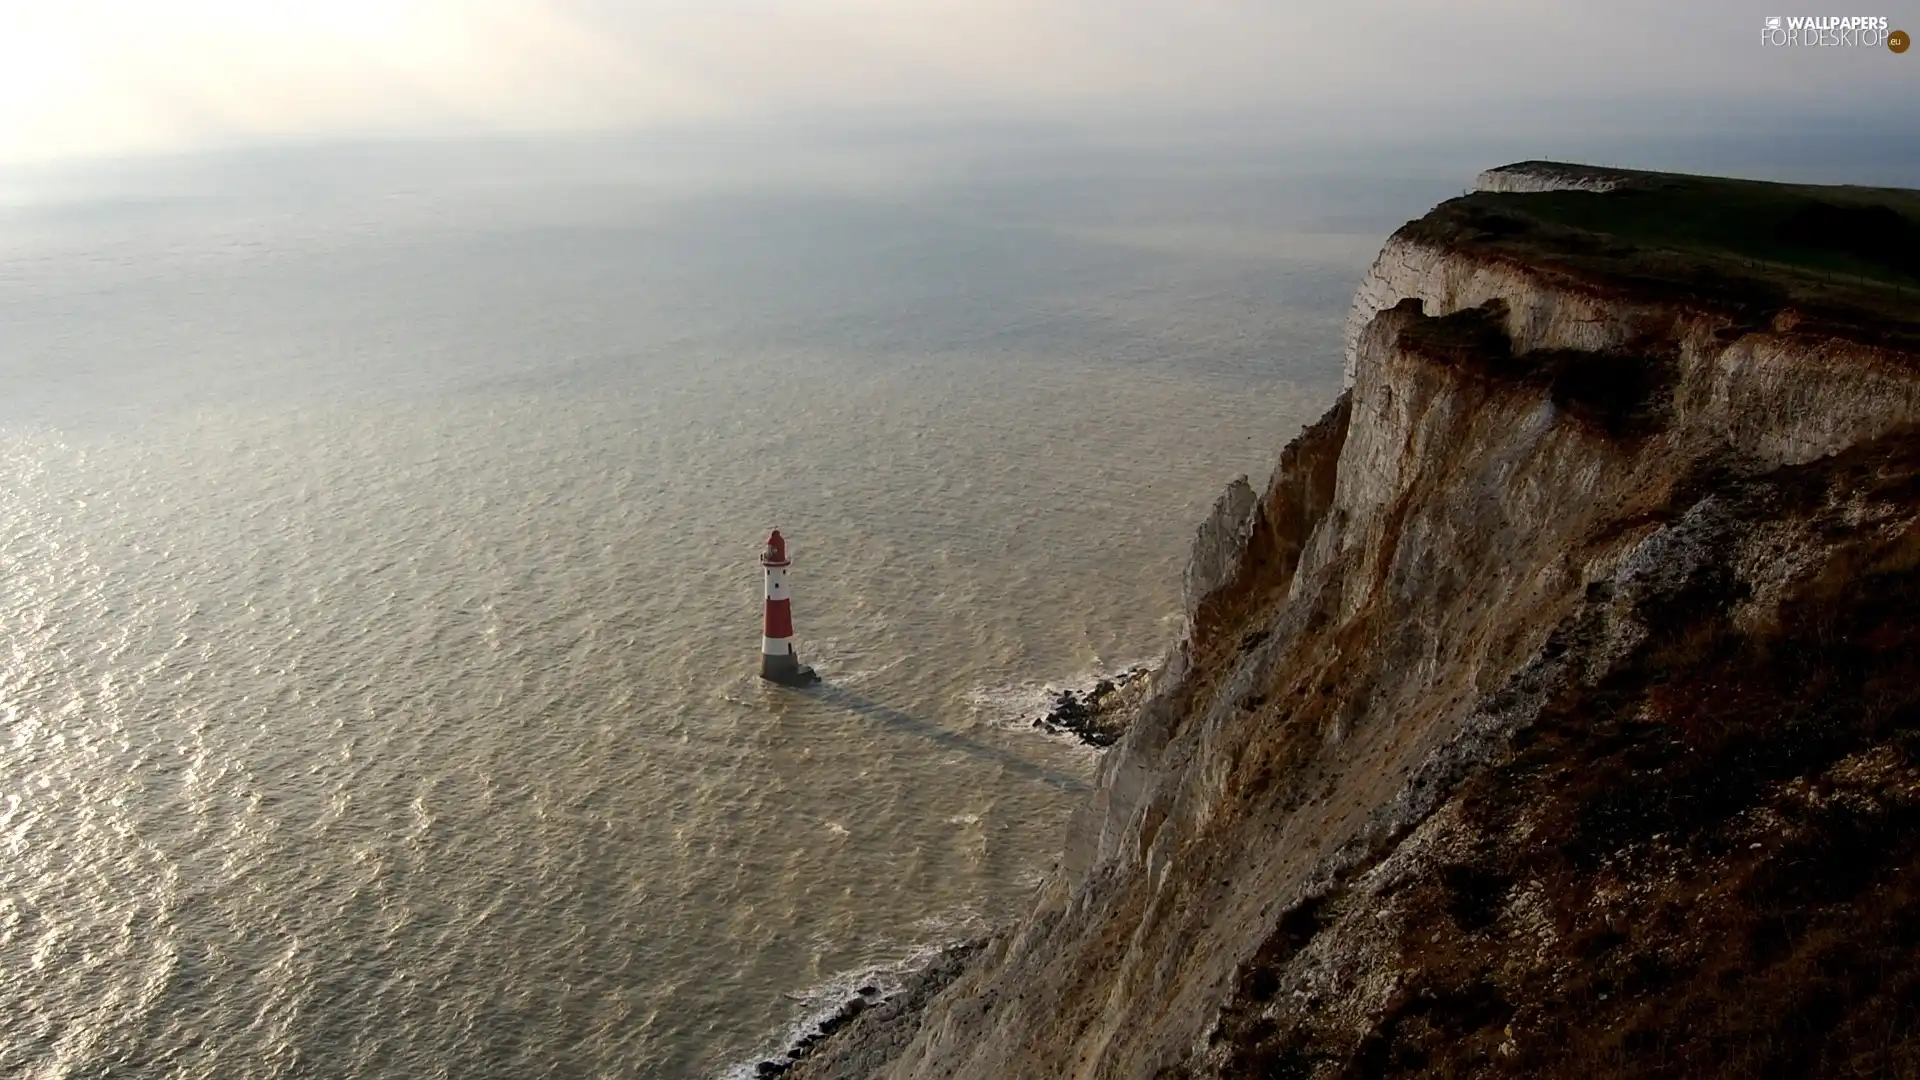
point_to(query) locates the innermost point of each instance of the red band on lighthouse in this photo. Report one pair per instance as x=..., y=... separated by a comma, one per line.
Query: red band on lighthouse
x=779, y=619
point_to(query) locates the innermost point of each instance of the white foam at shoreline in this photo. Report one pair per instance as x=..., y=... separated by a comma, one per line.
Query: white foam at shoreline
x=825, y=999
x=1015, y=706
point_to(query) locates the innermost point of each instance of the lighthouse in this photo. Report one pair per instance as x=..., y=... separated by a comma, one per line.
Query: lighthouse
x=778, y=662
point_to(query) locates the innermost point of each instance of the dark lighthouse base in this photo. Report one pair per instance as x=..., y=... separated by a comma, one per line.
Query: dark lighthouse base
x=787, y=670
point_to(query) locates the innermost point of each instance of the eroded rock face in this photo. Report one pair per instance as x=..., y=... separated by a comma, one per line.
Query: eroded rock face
x=1542, y=312
x=1681, y=841
x=1360, y=825
x=1219, y=543
x=1755, y=388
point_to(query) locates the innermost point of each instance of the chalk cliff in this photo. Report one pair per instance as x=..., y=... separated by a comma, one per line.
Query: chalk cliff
x=1551, y=711
x=1531, y=176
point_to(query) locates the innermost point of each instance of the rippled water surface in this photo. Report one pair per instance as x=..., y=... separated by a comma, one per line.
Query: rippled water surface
x=379, y=601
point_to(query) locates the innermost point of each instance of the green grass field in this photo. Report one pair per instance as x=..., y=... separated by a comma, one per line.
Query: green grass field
x=1847, y=257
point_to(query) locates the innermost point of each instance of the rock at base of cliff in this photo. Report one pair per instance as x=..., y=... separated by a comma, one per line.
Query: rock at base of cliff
x=871, y=1026
x=1099, y=715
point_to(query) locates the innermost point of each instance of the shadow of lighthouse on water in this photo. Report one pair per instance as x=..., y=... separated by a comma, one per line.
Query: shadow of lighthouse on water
x=780, y=665
x=866, y=708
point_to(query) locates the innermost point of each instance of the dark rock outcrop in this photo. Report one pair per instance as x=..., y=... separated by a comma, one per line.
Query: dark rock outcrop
x=1099, y=716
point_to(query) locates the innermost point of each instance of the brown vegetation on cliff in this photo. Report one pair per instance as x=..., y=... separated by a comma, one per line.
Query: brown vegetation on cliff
x=1706, y=864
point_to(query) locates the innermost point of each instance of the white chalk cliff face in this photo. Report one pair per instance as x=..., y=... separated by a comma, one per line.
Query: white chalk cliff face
x=1757, y=387
x=1531, y=176
x=1438, y=560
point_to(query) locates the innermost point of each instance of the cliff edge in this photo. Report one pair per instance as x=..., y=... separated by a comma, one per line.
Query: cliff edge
x=1552, y=710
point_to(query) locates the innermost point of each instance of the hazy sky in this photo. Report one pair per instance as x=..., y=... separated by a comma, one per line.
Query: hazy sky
x=103, y=77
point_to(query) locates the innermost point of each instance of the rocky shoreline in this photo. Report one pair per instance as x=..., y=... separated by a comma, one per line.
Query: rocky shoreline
x=871, y=1017
x=1098, y=716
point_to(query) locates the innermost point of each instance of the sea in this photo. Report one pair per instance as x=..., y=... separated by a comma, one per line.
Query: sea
x=379, y=604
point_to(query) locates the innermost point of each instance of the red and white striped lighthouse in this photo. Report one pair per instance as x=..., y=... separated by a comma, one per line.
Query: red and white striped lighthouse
x=778, y=662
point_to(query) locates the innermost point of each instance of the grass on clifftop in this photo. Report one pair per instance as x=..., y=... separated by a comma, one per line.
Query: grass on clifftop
x=1847, y=257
